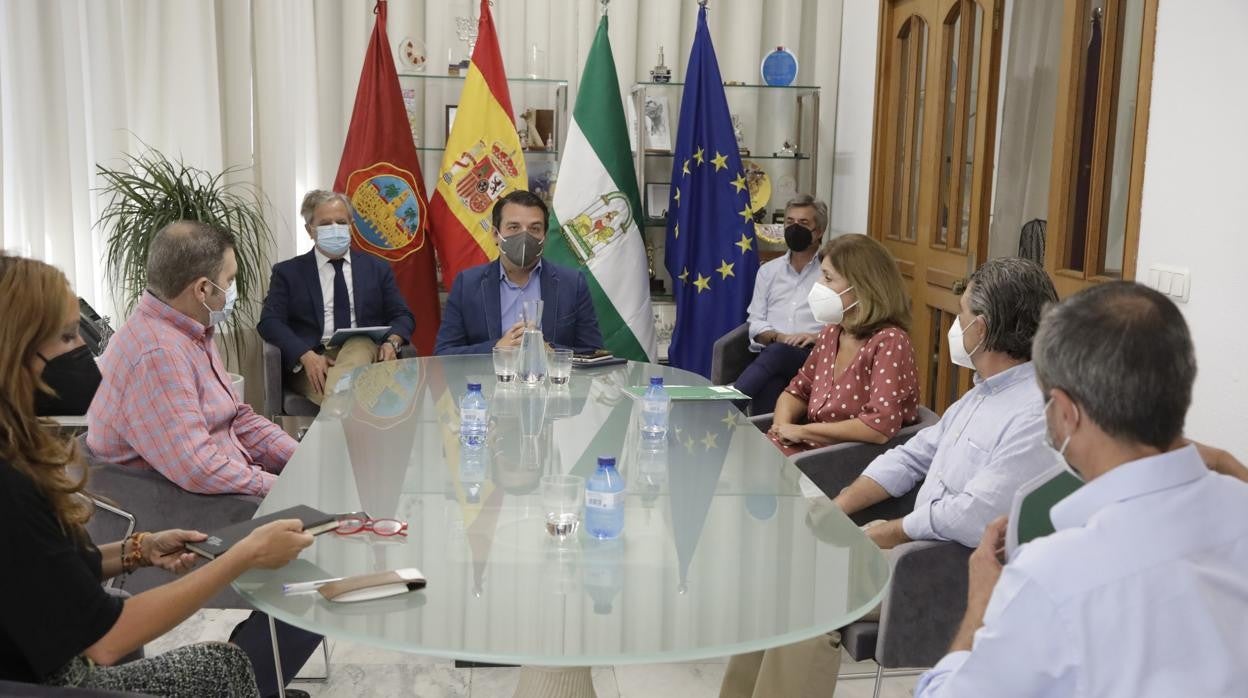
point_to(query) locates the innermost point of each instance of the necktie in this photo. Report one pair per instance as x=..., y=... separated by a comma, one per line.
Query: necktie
x=342, y=300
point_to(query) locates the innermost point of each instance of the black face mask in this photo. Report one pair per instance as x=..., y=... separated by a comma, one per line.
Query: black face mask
x=798, y=237
x=75, y=377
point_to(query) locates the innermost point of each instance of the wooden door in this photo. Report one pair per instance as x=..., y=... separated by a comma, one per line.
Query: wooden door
x=1101, y=125
x=931, y=175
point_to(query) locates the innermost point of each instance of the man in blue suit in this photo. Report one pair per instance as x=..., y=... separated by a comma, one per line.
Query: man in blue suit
x=483, y=310
x=327, y=289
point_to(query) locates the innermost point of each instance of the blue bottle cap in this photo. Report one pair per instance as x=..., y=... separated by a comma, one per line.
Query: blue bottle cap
x=656, y=380
x=606, y=461
x=474, y=386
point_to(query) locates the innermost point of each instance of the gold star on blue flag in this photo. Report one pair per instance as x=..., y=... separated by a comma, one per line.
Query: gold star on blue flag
x=708, y=217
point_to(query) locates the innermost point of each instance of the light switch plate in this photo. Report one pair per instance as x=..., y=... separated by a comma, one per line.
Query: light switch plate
x=1173, y=281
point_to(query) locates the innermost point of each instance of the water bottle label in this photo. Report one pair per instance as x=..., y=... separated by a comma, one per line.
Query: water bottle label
x=604, y=500
x=472, y=414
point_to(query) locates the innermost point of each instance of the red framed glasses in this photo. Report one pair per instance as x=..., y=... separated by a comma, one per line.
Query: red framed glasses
x=359, y=524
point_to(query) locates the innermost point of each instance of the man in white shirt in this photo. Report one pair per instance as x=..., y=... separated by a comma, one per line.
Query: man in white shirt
x=331, y=288
x=1143, y=588
x=991, y=440
x=782, y=327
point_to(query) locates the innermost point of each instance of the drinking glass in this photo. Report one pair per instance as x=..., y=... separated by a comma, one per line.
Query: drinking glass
x=559, y=369
x=505, y=363
x=562, y=497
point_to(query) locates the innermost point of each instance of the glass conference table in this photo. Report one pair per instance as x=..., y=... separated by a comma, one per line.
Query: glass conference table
x=717, y=557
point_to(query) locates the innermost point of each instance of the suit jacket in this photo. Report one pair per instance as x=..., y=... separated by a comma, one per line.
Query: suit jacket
x=472, y=321
x=293, y=317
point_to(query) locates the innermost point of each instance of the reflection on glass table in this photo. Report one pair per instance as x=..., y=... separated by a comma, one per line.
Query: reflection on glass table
x=717, y=554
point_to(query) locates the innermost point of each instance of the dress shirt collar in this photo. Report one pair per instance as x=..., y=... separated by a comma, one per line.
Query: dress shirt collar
x=161, y=311
x=788, y=264
x=1128, y=481
x=322, y=259
x=504, y=279
x=1007, y=378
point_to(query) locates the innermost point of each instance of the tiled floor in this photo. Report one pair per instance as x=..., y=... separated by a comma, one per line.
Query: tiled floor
x=358, y=671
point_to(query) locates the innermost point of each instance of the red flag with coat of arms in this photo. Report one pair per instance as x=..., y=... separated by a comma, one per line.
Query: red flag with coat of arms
x=380, y=173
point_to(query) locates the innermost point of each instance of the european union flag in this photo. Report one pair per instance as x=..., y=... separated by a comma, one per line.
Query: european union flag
x=711, y=251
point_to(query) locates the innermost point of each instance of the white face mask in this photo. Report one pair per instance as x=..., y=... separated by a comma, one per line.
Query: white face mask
x=334, y=239
x=957, y=347
x=1061, y=450
x=216, y=317
x=826, y=304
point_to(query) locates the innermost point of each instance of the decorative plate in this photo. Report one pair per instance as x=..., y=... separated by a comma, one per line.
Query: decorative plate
x=759, y=184
x=779, y=68
x=412, y=55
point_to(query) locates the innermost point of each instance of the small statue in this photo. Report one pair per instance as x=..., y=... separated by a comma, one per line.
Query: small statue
x=739, y=134
x=660, y=72
x=788, y=150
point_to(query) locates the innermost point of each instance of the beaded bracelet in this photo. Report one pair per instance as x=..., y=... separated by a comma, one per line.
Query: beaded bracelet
x=132, y=560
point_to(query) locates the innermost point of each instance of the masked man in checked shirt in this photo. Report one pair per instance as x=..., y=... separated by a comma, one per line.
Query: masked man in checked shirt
x=166, y=401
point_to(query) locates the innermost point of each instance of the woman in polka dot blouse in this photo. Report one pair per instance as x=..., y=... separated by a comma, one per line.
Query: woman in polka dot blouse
x=860, y=382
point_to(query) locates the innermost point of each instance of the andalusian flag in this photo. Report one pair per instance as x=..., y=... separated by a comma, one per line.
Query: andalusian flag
x=594, y=225
x=482, y=161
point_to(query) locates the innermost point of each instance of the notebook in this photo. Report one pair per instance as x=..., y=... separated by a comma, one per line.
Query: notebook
x=377, y=334
x=694, y=392
x=221, y=540
x=1029, y=512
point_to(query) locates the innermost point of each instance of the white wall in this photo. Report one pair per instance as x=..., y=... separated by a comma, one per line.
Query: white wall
x=855, y=107
x=1195, y=202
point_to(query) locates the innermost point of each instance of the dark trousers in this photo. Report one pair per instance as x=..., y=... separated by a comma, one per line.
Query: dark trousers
x=769, y=374
x=295, y=645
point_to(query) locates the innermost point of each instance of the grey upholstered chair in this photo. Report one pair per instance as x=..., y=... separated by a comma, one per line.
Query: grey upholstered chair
x=157, y=504
x=927, y=596
x=730, y=355
x=920, y=613
x=280, y=400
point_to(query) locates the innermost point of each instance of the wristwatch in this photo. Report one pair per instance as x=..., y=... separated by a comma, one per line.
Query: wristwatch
x=396, y=344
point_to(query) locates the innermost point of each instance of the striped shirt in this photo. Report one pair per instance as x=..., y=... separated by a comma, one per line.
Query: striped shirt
x=166, y=403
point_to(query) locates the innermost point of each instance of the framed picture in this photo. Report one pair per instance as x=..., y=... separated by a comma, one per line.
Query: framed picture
x=657, y=196
x=657, y=124
x=450, y=120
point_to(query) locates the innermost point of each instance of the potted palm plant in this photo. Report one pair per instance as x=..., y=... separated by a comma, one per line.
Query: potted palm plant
x=148, y=191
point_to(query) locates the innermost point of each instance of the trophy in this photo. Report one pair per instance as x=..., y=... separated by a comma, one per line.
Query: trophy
x=466, y=30
x=788, y=150
x=739, y=134
x=660, y=72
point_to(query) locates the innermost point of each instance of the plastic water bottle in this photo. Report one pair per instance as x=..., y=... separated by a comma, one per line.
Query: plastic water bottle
x=472, y=417
x=655, y=406
x=604, y=501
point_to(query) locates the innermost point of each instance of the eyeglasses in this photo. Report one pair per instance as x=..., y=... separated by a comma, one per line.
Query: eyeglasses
x=351, y=524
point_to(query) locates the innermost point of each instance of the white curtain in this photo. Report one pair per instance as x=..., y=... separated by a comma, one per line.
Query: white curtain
x=1028, y=109
x=269, y=85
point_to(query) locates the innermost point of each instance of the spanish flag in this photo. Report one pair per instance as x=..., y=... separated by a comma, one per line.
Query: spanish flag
x=482, y=162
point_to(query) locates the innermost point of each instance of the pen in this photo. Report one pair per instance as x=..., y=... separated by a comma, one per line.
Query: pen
x=313, y=585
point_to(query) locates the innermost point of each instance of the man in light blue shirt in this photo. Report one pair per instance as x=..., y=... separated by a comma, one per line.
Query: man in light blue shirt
x=782, y=327
x=990, y=441
x=1143, y=588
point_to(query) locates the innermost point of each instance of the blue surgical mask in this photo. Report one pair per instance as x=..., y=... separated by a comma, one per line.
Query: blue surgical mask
x=334, y=239
x=216, y=317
